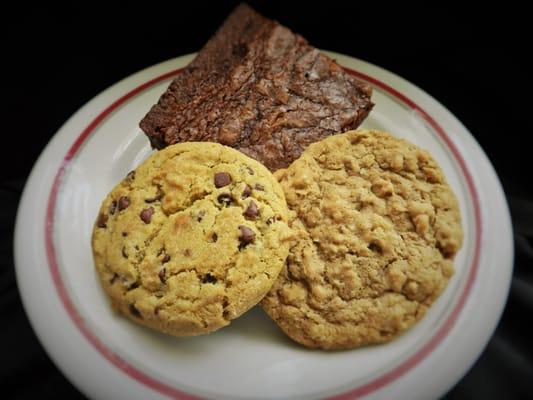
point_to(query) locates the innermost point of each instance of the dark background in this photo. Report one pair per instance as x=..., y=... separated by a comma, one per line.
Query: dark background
x=55, y=59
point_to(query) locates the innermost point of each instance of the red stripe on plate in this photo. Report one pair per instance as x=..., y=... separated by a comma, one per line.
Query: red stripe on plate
x=450, y=322
x=153, y=383
x=78, y=320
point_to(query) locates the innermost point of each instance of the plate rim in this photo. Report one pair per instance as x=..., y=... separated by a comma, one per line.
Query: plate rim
x=164, y=388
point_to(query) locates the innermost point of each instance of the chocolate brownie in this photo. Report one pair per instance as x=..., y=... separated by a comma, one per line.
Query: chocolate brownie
x=258, y=87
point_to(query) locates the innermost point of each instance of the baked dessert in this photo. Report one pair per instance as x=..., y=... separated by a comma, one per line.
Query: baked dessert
x=191, y=239
x=377, y=230
x=258, y=87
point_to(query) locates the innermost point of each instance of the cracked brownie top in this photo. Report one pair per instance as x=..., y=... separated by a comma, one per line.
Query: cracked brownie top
x=258, y=87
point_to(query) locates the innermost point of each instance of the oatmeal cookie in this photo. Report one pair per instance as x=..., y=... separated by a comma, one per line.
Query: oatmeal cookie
x=378, y=228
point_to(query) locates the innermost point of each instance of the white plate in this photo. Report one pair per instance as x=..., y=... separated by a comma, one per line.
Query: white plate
x=107, y=356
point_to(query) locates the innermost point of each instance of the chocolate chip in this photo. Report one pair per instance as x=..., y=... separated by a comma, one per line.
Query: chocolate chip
x=123, y=203
x=153, y=199
x=214, y=237
x=187, y=252
x=124, y=254
x=146, y=215
x=225, y=304
x=102, y=221
x=135, y=312
x=112, y=207
x=124, y=234
x=165, y=259
x=247, y=236
x=156, y=310
x=375, y=247
x=225, y=198
x=163, y=275
x=246, y=192
x=252, y=212
x=208, y=278
x=201, y=214
x=260, y=187
x=131, y=175
x=133, y=285
x=222, y=179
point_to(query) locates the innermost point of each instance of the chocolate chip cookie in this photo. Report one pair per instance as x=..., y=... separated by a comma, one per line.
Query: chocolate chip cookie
x=191, y=239
x=377, y=230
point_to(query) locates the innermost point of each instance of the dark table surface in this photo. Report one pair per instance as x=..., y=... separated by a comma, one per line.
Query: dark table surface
x=475, y=62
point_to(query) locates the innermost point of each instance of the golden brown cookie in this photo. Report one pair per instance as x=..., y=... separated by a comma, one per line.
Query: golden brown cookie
x=191, y=239
x=378, y=228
